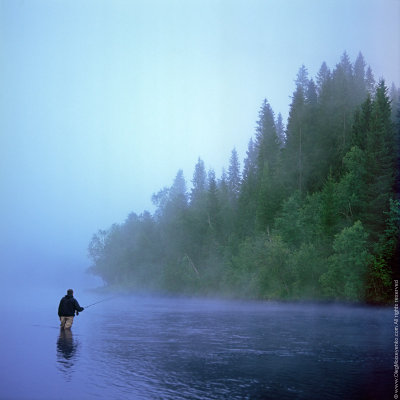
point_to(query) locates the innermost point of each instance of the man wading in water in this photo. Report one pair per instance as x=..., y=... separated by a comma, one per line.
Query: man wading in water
x=66, y=309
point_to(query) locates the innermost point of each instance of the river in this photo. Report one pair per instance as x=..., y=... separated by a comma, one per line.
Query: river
x=140, y=347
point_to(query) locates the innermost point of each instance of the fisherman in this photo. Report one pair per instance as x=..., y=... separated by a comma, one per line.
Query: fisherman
x=67, y=308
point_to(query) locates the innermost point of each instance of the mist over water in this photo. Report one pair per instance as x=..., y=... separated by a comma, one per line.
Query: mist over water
x=101, y=104
x=133, y=347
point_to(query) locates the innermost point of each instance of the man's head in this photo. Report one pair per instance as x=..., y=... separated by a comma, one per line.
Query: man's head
x=70, y=292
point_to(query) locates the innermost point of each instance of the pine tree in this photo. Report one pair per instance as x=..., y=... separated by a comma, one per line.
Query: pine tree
x=345, y=67
x=172, y=218
x=213, y=206
x=313, y=174
x=268, y=201
x=245, y=220
x=293, y=155
x=360, y=89
x=395, y=103
x=197, y=218
x=267, y=140
x=311, y=93
x=381, y=161
x=370, y=81
x=226, y=213
x=323, y=79
x=199, y=182
x=362, y=123
x=302, y=78
x=344, y=104
x=268, y=158
x=234, y=178
x=178, y=192
x=280, y=131
x=250, y=162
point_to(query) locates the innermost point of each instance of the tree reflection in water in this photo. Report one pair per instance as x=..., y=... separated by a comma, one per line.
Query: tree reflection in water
x=66, y=352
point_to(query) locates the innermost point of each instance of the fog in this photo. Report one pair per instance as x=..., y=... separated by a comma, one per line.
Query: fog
x=102, y=102
x=146, y=348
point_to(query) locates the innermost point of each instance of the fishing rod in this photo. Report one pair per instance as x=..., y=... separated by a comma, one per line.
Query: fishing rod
x=100, y=301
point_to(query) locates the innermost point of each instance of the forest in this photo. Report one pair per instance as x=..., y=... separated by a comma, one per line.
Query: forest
x=312, y=212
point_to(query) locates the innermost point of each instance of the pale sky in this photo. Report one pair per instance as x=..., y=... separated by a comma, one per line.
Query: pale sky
x=101, y=102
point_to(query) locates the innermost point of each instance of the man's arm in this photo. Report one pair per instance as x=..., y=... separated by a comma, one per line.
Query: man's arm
x=77, y=306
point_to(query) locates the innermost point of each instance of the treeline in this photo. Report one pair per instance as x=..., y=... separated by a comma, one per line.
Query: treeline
x=312, y=214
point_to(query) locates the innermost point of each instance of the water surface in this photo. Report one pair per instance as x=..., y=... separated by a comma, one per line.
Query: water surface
x=165, y=348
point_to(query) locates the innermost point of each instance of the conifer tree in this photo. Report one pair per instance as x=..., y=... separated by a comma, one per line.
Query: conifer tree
x=311, y=96
x=267, y=140
x=302, y=78
x=323, y=79
x=199, y=182
x=245, y=220
x=267, y=201
x=370, y=81
x=226, y=213
x=293, y=155
x=280, y=131
x=268, y=155
x=362, y=124
x=344, y=104
x=178, y=192
x=381, y=161
x=395, y=103
x=213, y=206
x=360, y=88
x=234, y=178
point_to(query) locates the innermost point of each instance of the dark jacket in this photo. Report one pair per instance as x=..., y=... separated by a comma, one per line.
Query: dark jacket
x=68, y=306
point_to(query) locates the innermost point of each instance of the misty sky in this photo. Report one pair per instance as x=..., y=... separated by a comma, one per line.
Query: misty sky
x=102, y=102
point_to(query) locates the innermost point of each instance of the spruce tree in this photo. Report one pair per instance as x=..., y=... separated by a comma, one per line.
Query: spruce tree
x=234, y=178
x=267, y=140
x=293, y=154
x=370, y=81
x=199, y=182
x=245, y=219
x=360, y=87
x=323, y=79
x=280, y=131
x=381, y=161
x=213, y=206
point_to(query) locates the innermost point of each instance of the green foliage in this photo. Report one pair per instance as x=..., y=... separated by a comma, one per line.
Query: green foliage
x=310, y=216
x=352, y=187
x=347, y=266
x=307, y=264
x=288, y=222
x=180, y=277
x=276, y=277
x=267, y=201
x=379, y=285
x=260, y=269
x=246, y=266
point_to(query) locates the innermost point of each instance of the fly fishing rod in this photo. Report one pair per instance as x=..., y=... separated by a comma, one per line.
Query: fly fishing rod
x=100, y=301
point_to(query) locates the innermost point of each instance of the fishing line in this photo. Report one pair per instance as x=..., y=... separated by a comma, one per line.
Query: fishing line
x=100, y=301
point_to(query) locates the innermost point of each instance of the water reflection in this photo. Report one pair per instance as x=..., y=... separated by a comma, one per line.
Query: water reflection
x=177, y=351
x=67, y=351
